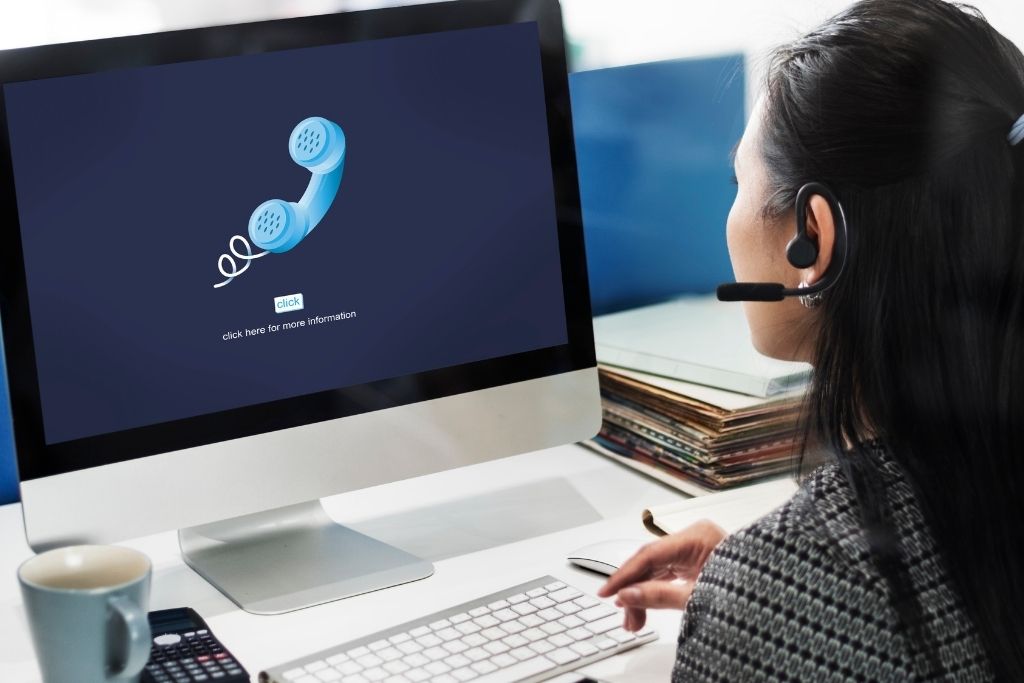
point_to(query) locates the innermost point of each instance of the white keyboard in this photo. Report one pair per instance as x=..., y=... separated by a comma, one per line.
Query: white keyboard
x=527, y=633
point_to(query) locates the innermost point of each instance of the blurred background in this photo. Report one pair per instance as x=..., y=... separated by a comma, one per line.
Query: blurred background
x=603, y=32
x=653, y=140
x=660, y=92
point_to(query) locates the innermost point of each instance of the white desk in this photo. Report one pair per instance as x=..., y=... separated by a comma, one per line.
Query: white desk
x=485, y=527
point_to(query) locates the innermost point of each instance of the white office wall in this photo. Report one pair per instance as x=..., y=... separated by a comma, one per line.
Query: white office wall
x=617, y=32
x=608, y=31
x=612, y=32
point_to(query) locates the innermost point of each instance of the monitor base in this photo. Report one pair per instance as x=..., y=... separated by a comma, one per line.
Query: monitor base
x=293, y=557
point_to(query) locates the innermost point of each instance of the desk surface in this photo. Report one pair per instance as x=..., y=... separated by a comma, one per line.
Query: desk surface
x=485, y=527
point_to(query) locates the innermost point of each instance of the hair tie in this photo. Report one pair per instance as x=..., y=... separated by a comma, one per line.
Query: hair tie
x=1016, y=135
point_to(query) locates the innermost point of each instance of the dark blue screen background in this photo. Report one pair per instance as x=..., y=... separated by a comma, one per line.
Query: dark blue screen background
x=442, y=239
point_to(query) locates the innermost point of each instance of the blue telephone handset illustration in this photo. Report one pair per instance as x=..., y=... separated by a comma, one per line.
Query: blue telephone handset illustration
x=277, y=226
x=316, y=144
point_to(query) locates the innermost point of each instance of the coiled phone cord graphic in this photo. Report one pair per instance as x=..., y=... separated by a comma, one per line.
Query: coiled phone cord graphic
x=247, y=258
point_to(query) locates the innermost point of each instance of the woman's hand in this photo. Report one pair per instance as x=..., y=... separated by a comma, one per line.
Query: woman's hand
x=651, y=578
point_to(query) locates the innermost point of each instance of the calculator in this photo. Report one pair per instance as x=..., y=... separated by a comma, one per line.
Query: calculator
x=184, y=650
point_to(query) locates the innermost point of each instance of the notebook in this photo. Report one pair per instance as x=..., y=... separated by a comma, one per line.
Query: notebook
x=730, y=509
x=695, y=339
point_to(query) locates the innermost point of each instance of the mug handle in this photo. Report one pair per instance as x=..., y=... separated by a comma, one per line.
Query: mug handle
x=138, y=646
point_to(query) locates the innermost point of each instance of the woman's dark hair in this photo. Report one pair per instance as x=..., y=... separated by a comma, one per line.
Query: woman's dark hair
x=903, y=107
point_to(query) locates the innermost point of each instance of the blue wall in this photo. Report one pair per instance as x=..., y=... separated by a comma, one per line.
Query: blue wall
x=8, y=473
x=653, y=144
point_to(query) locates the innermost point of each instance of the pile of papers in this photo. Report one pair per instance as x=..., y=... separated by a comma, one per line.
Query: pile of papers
x=686, y=397
x=714, y=438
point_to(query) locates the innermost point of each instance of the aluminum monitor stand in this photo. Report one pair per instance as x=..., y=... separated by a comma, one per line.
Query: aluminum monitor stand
x=293, y=557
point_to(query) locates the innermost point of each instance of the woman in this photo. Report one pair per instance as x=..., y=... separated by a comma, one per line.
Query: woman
x=901, y=558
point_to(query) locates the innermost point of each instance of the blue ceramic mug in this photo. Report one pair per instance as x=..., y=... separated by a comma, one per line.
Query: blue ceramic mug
x=87, y=610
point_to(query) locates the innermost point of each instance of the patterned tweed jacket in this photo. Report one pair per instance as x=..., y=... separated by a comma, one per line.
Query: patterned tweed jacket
x=796, y=597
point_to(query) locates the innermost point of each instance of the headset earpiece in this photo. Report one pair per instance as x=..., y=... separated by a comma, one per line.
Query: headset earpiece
x=801, y=251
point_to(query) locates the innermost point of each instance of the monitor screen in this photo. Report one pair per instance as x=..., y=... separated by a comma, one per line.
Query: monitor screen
x=434, y=245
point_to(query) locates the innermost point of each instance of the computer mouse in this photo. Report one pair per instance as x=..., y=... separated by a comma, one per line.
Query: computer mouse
x=606, y=557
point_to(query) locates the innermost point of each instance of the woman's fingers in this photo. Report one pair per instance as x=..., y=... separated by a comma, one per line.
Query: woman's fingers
x=635, y=619
x=651, y=595
x=642, y=566
x=656, y=595
x=681, y=554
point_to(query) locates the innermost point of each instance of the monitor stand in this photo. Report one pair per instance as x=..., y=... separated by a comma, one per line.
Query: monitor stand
x=293, y=557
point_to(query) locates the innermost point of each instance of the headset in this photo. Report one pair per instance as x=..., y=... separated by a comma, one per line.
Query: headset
x=801, y=252
x=277, y=226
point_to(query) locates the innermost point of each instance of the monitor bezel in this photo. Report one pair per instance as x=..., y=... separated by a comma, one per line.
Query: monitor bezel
x=37, y=459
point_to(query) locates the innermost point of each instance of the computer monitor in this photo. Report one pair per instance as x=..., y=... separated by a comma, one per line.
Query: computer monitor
x=246, y=267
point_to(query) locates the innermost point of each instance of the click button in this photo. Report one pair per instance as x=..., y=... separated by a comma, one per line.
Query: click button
x=288, y=303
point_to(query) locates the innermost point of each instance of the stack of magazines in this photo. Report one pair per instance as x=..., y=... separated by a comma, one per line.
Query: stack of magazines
x=703, y=413
x=716, y=441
